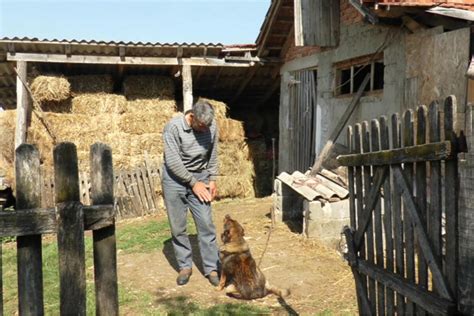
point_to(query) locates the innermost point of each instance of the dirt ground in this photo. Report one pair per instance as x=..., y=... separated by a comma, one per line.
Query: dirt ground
x=319, y=279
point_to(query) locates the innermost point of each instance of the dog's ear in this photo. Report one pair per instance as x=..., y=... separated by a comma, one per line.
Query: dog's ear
x=227, y=217
x=242, y=231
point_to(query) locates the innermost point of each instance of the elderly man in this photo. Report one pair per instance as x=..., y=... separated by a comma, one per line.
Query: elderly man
x=189, y=173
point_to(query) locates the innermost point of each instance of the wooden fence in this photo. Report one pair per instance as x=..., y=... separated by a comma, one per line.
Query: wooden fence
x=137, y=192
x=68, y=219
x=403, y=194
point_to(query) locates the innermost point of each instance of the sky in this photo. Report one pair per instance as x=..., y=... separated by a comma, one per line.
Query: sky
x=164, y=21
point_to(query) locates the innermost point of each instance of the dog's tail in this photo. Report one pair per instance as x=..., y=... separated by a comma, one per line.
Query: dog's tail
x=277, y=291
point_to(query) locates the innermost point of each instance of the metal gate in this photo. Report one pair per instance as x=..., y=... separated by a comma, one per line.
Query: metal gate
x=402, y=243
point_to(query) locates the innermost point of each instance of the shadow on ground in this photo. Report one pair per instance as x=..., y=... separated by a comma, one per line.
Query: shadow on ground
x=168, y=251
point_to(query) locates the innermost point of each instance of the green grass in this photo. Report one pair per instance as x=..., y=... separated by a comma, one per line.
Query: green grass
x=131, y=238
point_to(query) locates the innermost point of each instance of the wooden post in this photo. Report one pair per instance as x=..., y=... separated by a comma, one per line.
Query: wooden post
x=187, y=88
x=23, y=106
x=29, y=258
x=105, y=249
x=72, y=270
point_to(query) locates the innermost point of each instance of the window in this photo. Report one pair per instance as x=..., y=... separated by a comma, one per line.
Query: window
x=351, y=74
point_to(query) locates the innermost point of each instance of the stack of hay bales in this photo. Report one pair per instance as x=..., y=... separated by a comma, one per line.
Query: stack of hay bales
x=129, y=127
x=236, y=170
x=131, y=124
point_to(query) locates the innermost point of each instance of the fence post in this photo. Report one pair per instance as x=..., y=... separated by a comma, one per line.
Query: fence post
x=29, y=254
x=105, y=258
x=72, y=274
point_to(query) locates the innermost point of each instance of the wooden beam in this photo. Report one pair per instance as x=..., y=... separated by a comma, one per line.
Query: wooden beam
x=250, y=74
x=426, y=152
x=93, y=59
x=23, y=107
x=187, y=87
x=273, y=14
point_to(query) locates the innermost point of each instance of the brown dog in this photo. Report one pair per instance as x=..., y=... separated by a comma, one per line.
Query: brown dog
x=240, y=275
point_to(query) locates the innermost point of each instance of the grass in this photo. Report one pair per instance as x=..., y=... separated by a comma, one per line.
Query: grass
x=132, y=238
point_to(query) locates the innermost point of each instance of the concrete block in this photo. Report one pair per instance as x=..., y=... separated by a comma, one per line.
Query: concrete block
x=324, y=221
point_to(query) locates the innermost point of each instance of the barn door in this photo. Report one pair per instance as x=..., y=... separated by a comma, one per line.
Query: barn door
x=302, y=119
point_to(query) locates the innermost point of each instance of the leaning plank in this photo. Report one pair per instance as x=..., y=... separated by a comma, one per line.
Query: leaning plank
x=419, y=153
x=429, y=302
x=105, y=248
x=30, y=275
x=420, y=227
x=350, y=176
x=71, y=250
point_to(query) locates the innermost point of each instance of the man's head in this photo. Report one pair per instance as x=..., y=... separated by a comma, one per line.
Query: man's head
x=202, y=117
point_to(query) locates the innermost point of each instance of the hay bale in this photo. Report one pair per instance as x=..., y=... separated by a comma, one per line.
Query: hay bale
x=233, y=159
x=220, y=108
x=152, y=143
x=147, y=86
x=63, y=106
x=234, y=187
x=139, y=123
x=230, y=130
x=50, y=88
x=91, y=84
x=7, y=145
x=98, y=103
x=155, y=105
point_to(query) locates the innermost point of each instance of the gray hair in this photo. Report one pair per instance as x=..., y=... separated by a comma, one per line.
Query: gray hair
x=203, y=112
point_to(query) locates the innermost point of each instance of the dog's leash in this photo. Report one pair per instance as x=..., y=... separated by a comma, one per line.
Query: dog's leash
x=266, y=243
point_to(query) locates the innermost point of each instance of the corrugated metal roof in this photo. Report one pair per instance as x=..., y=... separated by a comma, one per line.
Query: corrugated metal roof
x=325, y=186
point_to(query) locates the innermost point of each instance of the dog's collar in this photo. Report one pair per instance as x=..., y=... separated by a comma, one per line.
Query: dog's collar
x=235, y=248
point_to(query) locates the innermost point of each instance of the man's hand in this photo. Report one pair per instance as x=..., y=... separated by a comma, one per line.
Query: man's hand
x=202, y=192
x=213, y=189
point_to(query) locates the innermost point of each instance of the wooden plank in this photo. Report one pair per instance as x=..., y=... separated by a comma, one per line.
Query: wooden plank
x=420, y=188
x=148, y=189
x=351, y=180
x=141, y=191
x=370, y=201
x=23, y=106
x=319, y=23
x=410, y=154
x=360, y=281
x=129, y=60
x=71, y=252
x=360, y=208
x=398, y=231
x=267, y=27
x=414, y=212
x=370, y=198
x=29, y=251
x=435, y=206
x=132, y=189
x=187, y=87
x=430, y=302
x=340, y=125
x=387, y=218
x=408, y=140
x=451, y=197
x=378, y=233
x=105, y=248
x=27, y=222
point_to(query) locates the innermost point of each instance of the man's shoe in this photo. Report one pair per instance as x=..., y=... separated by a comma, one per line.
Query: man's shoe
x=213, y=278
x=184, y=276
